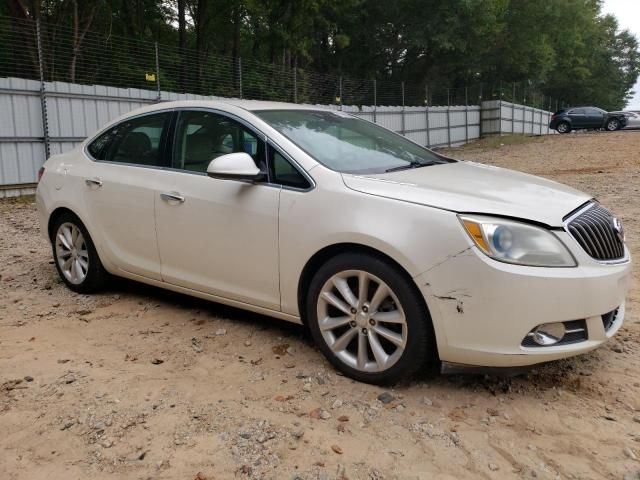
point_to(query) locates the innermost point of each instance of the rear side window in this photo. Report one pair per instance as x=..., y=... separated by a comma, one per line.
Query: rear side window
x=138, y=141
x=576, y=111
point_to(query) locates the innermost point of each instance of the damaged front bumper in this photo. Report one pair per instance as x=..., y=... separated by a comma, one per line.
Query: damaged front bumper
x=483, y=309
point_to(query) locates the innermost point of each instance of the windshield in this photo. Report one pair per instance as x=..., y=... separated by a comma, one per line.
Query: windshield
x=348, y=144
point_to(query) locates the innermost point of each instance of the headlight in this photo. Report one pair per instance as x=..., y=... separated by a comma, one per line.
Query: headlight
x=515, y=242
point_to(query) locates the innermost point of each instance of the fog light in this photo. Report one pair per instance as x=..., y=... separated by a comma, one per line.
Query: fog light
x=548, y=333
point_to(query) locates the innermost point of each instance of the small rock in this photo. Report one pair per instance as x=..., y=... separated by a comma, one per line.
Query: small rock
x=386, y=397
x=200, y=476
x=617, y=349
x=67, y=426
x=107, y=443
x=336, y=404
x=28, y=378
x=324, y=415
x=307, y=387
x=611, y=418
x=400, y=408
x=343, y=418
x=247, y=343
x=157, y=361
x=493, y=467
x=222, y=331
x=245, y=435
x=629, y=453
x=636, y=419
x=427, y=401
x=337, y=449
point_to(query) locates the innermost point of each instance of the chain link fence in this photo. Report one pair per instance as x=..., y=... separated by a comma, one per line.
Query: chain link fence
x=97, y=59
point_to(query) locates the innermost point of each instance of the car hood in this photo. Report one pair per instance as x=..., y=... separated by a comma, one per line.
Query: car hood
x=471, y=187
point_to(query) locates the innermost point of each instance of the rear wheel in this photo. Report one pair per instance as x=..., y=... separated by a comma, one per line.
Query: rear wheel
x=613, y=124
x=75, y=255
x=563, y=127
x=368, y=319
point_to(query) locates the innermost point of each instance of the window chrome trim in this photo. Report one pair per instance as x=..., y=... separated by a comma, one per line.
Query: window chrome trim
x=259, y=133
x=577, y=213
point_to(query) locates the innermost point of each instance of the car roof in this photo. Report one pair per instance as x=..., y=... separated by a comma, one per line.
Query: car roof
x=250, y=105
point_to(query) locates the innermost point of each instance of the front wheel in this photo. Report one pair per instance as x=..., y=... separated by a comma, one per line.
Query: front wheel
x=613, y=124
x=368, y=319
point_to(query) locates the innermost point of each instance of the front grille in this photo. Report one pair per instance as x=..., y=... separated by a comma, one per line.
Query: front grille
x=608, y=319
x=576, y=331
x=594, y=230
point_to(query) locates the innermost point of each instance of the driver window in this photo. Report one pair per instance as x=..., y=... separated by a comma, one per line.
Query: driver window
x=202, y=136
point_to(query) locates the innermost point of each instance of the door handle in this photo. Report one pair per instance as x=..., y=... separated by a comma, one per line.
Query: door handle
x=93, y=182
x=172, y=197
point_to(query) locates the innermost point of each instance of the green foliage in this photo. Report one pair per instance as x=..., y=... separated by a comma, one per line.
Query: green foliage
x=565, y=49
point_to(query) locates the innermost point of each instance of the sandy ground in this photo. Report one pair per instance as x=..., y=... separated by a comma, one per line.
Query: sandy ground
x=140, y=383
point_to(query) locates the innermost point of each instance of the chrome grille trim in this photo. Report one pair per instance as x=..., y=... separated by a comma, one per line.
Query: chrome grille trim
x=592, y=228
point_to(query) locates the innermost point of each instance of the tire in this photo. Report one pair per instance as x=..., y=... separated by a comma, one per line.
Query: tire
x=85, y=273
x=407, y=338
x=563, y=127
x=613, y=124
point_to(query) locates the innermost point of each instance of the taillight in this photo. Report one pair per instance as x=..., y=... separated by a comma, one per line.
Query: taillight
x=553, y=117
x=40, y=173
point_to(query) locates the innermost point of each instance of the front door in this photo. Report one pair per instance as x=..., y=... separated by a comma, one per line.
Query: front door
x=217, y=236
x=119, y=191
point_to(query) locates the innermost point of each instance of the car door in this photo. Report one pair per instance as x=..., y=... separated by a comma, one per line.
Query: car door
x=594, y=117
x=119, y=192
x=578, y=118
x=218, y=236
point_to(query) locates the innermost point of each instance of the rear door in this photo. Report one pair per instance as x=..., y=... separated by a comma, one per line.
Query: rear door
x=120, y=191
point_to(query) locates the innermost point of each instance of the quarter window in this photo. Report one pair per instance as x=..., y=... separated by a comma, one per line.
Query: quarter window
x=284, y=173
x=137, y=141
x=202, y=136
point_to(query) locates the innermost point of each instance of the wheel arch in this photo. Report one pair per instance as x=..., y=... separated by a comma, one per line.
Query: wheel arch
x=57, y=213
x=330, y=251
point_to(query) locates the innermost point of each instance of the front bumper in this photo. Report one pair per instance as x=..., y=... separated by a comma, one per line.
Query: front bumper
x=482, y=309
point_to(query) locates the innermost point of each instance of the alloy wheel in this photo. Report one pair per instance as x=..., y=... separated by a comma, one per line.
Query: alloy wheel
x=362, y=321
x=562, y=127
x=72, y=254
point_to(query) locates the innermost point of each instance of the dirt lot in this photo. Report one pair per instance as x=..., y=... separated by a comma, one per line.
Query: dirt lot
x=140, y=383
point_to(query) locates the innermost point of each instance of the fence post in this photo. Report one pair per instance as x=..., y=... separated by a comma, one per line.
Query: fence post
x=426, y=96
x=295, y=79
x=448, y=120
x=480, y=112
x=403, y=127
x=466, y=115
x=513, y=110
x=375, y=102
x=159, y=98
x=43, y=94
x=340, y=94
x=240, y=76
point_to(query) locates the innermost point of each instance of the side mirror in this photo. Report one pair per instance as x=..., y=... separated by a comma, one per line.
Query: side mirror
x=235, y=166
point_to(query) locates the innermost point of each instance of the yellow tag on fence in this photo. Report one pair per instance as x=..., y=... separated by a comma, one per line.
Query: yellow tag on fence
x=150, y=77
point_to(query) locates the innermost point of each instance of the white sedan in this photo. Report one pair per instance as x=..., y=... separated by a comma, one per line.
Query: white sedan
x=392, y=255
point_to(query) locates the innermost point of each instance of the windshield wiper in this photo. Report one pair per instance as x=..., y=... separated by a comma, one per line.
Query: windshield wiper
x=413, y=164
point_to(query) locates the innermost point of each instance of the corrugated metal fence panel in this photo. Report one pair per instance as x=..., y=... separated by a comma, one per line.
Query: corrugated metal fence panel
x=77, y=111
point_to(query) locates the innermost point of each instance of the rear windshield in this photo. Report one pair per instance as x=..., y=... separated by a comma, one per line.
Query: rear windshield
x=348, y=144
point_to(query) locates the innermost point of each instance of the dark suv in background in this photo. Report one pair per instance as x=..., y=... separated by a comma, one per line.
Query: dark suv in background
x=576, y=118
